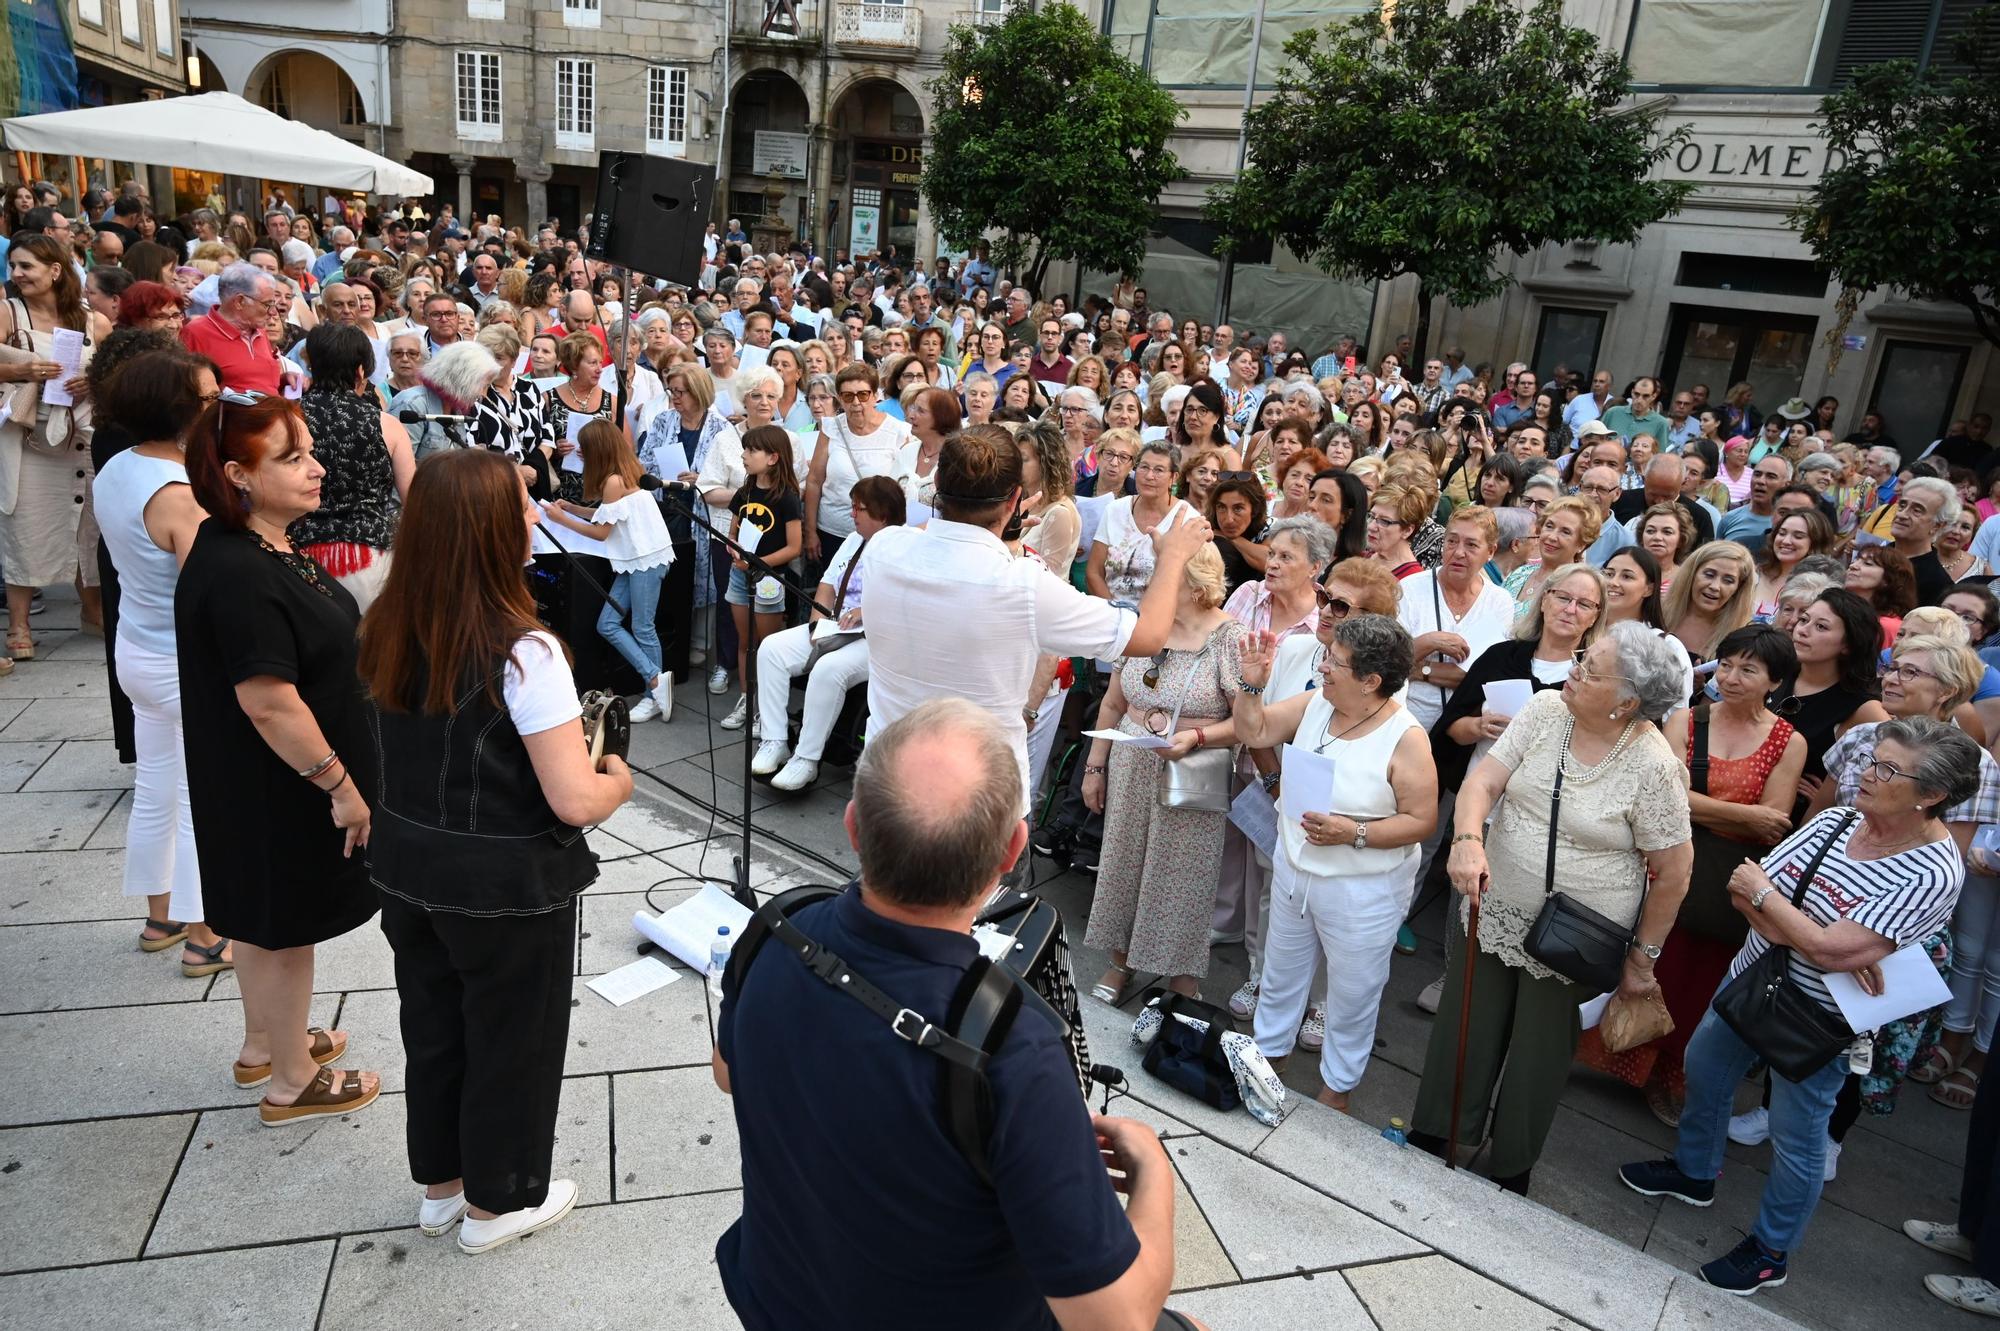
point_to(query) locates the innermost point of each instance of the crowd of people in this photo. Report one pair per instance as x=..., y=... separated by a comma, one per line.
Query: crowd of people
x=1341, y=625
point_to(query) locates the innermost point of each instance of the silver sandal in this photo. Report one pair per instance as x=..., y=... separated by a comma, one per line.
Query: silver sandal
x=1104, y=993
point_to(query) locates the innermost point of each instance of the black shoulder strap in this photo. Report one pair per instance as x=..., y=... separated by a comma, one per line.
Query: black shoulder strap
x=1555, y=817
x=1698, y=750
x=755, y=934
x=1812, y=865
x=981, y=1014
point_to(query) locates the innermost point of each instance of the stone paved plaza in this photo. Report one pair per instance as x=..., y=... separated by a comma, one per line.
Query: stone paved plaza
x=137, y=1189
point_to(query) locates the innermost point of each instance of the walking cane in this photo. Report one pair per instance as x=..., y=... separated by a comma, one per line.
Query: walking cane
x=1464, y=1017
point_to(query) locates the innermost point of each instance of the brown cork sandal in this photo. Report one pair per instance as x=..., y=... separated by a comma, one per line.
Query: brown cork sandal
x=324, y=1098
x=324, y=1048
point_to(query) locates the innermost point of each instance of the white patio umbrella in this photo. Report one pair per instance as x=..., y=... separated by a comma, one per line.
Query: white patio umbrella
x=217, y=132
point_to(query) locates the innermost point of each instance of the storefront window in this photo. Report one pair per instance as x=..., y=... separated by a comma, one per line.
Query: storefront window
x=1203, y=43
x=1915, y=391
x=1727, y=43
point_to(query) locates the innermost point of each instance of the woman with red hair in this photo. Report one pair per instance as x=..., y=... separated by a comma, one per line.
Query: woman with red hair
x=152, y=305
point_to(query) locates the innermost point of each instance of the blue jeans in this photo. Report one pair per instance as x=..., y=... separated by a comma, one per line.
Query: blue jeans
x=638, y=593
x=1715, y=1062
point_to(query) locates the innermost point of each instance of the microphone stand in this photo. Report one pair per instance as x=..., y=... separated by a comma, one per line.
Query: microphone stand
x=697, y=512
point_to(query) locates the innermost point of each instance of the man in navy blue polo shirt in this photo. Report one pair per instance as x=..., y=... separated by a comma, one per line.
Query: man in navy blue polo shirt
x=859, y=1211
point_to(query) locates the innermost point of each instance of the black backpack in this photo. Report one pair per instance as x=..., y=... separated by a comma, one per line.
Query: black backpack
x=982, y=1012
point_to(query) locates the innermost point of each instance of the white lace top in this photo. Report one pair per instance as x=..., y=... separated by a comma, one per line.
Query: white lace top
x=1610, y=820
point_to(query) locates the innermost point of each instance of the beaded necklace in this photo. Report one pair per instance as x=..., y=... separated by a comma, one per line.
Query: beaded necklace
x=1574, y=769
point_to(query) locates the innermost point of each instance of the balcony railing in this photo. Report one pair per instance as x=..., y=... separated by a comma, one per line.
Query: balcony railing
x=797, y=22
x=866, y=23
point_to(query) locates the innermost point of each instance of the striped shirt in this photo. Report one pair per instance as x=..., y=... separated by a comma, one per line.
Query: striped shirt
x=1905, y=897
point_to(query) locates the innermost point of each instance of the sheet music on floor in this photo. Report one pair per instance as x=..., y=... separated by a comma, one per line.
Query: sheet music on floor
x=633, y=980
x=687, y=930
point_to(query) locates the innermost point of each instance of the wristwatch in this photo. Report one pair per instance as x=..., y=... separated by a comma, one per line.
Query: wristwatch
x=1652, y=950
x=1360, y=836
x=1427, y=672
x=1757, y=898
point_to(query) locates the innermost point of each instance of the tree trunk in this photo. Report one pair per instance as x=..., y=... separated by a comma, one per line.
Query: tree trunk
x=1420, y=350
x=1038, y=268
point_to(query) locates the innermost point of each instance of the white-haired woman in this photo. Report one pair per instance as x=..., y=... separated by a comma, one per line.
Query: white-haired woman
x=1887, y=876
x=1345, y=865
x=692, y=421
x=451, y=383
x=1157, y=872
x=1621, y=820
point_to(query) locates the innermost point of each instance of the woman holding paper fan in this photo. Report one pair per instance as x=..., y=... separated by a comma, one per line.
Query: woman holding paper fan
x=1357, y=797
x=486, y=784
x=1621, y=820
x=1844, y=892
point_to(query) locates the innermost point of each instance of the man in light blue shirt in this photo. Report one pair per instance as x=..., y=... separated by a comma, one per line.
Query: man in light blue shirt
x=1523, y=404
x=1682, y=426
x=746, y=292
x=1747, y=523
x=1589, y=406
x=1456, y=371
x=1600, y=485
x=1641, y=415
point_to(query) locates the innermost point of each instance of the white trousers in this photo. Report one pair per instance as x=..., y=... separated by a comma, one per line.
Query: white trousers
x=1042, y=742
x=1352, y=920
x=780, y=658
x=159, y=839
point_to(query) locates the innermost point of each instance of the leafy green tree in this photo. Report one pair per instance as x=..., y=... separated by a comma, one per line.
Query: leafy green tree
x=1039, y=129
x=1912, y=205
x=1429, y=141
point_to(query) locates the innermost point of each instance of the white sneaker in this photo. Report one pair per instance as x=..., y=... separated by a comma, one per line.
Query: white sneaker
x=1312, y=1031
x=1832, y=1160
x=477, y=1236
x=1224, y=937
x=1751, y=1129
x=696, y=656
x=662, y=695
x=1244, y=1001
x=798, y=774
x=718, y=680
x=1968, y=1292
x=435, y=1217
x=1432, y=995
x=771, y=755
x=1940, y=1237
x=643, y=710
x=738, y=714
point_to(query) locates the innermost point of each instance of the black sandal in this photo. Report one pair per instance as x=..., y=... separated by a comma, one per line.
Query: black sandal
x=211, y=960
x=173, y=931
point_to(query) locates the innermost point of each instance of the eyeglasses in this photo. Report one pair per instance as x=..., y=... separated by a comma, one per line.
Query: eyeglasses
x=1583, y=674
x=1534, y=505
x=1337, y=606
x=858, y=399
x=1572, y=602
x=1883, y=770
x=1117, y=455
x=1598, y=489
x=1377, y=520
x=1903, y=672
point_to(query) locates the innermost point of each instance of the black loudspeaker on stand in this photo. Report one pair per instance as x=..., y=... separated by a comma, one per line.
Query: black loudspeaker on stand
x=651, y=213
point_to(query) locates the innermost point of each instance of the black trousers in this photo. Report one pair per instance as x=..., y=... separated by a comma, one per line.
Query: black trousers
x=1979, y=1192
x=677, y=611
x=485, y=1017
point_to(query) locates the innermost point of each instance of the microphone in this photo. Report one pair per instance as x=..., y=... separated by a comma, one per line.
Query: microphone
x=648, y=481
x=1104, y=1074
x=418, y=417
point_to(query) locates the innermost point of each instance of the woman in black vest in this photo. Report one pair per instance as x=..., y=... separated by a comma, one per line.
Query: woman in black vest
x=478, y=850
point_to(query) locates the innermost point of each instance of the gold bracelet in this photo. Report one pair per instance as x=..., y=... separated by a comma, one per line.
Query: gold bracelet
x=1480, y=837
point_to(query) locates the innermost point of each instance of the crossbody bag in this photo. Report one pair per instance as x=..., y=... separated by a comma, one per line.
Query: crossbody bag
x=1570, y=938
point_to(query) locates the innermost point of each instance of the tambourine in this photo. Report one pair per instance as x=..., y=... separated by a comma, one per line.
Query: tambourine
x=607, y=726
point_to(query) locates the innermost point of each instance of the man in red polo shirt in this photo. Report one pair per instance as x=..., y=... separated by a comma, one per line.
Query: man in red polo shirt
x=232, y=334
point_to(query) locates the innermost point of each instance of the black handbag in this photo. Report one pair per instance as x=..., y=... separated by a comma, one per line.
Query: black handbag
x=1570, y=938
x=1190, y=1060
x=1769, y=1011
x=1707, y=911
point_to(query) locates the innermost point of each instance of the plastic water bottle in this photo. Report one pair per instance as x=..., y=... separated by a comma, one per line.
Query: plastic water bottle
x=1396, y=1132
x=718, y=961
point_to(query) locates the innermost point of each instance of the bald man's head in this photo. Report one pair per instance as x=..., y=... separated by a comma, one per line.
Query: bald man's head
x=936, y=810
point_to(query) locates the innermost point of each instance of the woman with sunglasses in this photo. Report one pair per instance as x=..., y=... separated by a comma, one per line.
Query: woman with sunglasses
x=1345, y=869
x=1622, y=848
x=1889, y=878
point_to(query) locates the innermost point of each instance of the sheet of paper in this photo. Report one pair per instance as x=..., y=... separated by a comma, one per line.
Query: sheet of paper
x=521, y=362
x=1256, y=817
x=671, y=460
x=1909, y=984
x=607, y=378
x=993, y=943
x=1136, y=741
x=686, y=931
x=68, y=353
x=1506, y=697
x=573, y=541
x=1307, y=783
x=634, y=980
x=1592, y=1012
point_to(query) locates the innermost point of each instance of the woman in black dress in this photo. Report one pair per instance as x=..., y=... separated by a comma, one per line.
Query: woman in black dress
x=1839, y=644
x=486, y=786
x=278, y=754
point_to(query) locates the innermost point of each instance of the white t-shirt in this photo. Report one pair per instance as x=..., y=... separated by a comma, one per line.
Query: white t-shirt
x=1490, y=620
x=836, y=569
x=1129, y=558
x=539, y=690
x=850, y=457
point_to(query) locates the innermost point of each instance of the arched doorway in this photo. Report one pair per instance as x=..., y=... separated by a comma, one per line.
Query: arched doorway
x=307, y=87
x=878, y=163
x=769, y=166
